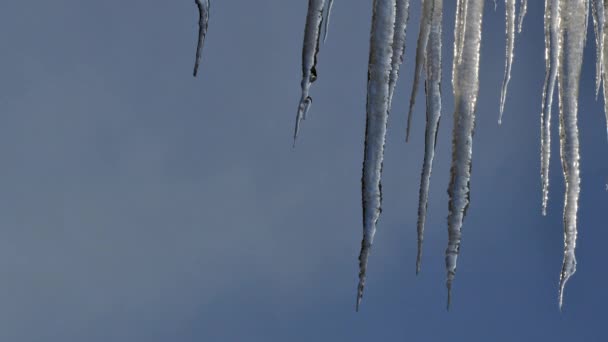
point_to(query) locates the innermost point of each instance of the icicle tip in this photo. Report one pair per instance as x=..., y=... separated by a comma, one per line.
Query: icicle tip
x=449, y=304
x=568, y=269
x=302, y=110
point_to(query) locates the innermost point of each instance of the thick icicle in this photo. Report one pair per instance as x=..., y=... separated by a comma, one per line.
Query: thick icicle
x=510, y=32
x=433, y=115
x=574, y=21
x=203, y=23
x=523, y=9
x=312, y=33
x=423, y=38
x=466, y=88
x=598, y=28
x=552, y=52
x=380, y=56
x=401, y=20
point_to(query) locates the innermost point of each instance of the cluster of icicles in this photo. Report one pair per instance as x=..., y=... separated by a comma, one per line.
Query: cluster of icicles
x=565, y=25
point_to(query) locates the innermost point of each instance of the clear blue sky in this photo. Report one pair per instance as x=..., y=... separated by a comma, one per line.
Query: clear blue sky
x=140, y=204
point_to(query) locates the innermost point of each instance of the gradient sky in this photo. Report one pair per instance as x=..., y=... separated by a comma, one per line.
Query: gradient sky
x=140, y=204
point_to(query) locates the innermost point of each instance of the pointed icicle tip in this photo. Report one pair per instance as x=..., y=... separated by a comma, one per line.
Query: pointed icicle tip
x=449, y=304
x=562, y=287
x=310, y=49
x=363, y=257
x=203, y=23
x=568, y=269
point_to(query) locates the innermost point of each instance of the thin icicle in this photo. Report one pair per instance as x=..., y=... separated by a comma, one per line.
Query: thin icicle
x=433, y=115
x=597, y=7
x=203, y=23
x=552, y=51
x=510, y=32
x=423, y=38
x=605, y=63
x=523, y=9
x=463, y=31
x=312, y=32
x=574, y=21
x=401, y=20
x=327, y=17
x=458, y=30
x=380, y=56
x=466, y=89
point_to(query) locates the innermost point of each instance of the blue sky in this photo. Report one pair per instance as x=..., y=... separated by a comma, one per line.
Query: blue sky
x=140, y=204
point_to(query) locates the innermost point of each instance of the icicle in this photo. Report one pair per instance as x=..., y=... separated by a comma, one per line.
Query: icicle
x=433, y=115
x=203, y=22
x=605, y=63
x=466, y=88
x=598, y=28
x=380, y=56
x=401, y=20
x=552, y=51
x=423, y=37
x=312, y=32
x=458, y=33
x=523, y=9
x=327, y=17
x=574, y=21
x=510, y=28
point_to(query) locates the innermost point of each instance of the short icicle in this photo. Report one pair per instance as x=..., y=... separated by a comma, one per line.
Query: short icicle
x=310, y=49
x=597, y=7
x=330, y=6
x=523, y=9
x=203, y=23
x=605, y=64
x=380, y=57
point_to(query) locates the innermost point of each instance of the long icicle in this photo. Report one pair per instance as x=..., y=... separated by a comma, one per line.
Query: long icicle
x=466, y=89
x=574, y=21
x=310, y=49
x=433, y=115
x=552, y=50
x=203, y=23
x=423, y=38
x=380, y=57
x=401, y=20
x=510, y=46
